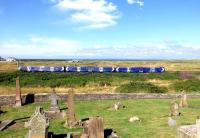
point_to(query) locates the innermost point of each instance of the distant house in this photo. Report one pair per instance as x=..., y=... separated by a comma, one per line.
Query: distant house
x=73, y=61
x=11, y=59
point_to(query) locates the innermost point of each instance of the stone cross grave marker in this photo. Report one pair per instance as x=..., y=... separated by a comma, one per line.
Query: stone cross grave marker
x=18, y=100
x=54, y=102
x=71, y=119
x=93, y=128
x=38, y=124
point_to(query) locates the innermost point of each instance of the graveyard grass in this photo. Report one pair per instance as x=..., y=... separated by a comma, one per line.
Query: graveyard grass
x=153, y=115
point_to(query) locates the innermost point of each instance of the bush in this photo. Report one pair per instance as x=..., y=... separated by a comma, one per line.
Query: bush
x=104, y=83
x=134, y=87
x=189, y=85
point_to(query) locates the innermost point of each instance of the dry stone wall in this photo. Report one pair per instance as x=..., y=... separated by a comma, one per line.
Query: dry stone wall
x=44, y=97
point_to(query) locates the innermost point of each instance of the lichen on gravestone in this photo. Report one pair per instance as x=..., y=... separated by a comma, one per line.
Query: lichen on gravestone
x=93, y=128
x=38, y=124
x=71, y=118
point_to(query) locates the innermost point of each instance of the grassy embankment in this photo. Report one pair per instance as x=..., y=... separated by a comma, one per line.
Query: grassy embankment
x=180, y=75
x=153, y=121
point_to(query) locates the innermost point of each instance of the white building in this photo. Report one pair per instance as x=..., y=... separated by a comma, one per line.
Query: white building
x=10, y=59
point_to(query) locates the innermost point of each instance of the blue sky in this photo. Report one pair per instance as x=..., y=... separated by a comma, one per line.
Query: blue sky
x=99, y=29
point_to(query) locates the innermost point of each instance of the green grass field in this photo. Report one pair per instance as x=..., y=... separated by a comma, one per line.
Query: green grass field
x=153, y=115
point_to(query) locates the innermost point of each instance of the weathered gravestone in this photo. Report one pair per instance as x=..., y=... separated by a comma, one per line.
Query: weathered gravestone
x=134, y=119
x=4, y=124
x=93, y=128
x=71, y=119
x=174, y=109
x=171, y=122
x=189, y=131
x=38, y=124
x=18, y=100
x=198, y=127
x=118, y=106
x=183, y=102
x=54, y=102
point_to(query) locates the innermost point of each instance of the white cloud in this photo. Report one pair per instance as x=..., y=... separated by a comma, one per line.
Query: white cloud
x=46, y=47
x=89, y=13
x=39, y=47
x=140, y=3
x=148, y=50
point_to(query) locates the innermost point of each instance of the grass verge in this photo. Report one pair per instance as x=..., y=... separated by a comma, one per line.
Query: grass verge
x=153, y=115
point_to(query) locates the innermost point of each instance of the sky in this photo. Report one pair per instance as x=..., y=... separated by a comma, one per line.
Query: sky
x=100, y=29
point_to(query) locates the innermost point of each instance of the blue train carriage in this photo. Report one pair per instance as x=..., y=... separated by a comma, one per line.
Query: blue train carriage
x=122, y=69
x=93, y=69
x=33, y=68
x=72, y=69
x=136, y=69
x=38, y=68
x=96, y=69
x=146, y=69
x=158, y=69
x=83, y=69
x=44, y=69
x=107, y=69
x=57, y=69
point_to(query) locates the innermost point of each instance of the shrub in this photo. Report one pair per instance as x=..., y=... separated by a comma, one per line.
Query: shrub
x=189, y=85
x=104, y=83
x=134, y=87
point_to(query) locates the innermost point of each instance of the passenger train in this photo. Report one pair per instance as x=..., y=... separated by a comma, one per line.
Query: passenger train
x=91, y=69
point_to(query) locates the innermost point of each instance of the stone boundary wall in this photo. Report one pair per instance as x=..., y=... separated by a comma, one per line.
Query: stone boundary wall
x=44, y=97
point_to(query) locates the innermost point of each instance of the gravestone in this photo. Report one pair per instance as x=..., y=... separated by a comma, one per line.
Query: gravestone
x=71, y=119
x=118, y=106
x=189, y=131
x=4, y=124
x=134, y=119
x=198, y=127
x=54, y=102
x=174, y=109
x=93, y=128
x=183, y=102
x=171, y=122
x=38, y=124
x=18, y=100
